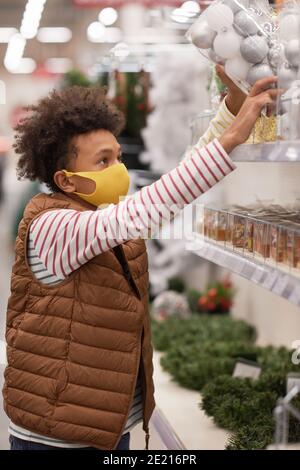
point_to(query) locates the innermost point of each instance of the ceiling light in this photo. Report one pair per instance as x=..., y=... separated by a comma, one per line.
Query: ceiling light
x=26, y=65
x=6, y=34
x=108, y=16
x=14, y=52
x=31, y=18
x=96, y=31
x=54, y=35
x=191, y=7
x=180, y=15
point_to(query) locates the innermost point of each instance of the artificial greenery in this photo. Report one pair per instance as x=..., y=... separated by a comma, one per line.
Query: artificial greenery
x=193, y=297
x=75, y=77
x=198, y=329
x=201, y=352
x=194, y=365
x=176, y=284
x=245, y=407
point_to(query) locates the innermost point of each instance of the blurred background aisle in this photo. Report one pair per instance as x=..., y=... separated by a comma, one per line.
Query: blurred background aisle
x=169, y=93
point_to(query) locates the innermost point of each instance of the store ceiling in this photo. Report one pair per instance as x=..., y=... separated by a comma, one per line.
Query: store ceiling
x=59, y=13
x=56, y=13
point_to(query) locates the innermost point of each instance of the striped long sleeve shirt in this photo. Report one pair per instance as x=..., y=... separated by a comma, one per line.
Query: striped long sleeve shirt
x=60, y=241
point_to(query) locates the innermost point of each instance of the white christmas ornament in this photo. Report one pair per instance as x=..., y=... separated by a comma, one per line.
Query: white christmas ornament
x=245, y=24
x=219, y=17
x=257, y=72
x=215, y=58
x=286, y=75
x=227, y=45
x=169, y=304
x=201, y=35
x=289, y=27
x=254, y=49
x=237, y=68
x=292, y=52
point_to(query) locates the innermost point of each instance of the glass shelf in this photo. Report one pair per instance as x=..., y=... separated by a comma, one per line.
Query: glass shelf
x=277, y=281
x=279, y=151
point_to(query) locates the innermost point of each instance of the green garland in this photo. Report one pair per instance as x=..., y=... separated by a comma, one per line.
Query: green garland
x=200, y=353
x=199, y=328
x=194, y=365
x=246, y=407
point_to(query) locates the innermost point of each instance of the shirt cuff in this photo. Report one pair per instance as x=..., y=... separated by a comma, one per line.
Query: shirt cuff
x=227, y=116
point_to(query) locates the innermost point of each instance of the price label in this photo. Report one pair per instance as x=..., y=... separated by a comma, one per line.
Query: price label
x=248, y=271
x=238, y=265
x=222, y=258
x=281, y=284
x=270, y=280
x=246, y=369
x=257, y=275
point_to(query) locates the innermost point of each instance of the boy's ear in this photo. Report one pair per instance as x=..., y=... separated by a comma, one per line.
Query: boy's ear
x=64, y=182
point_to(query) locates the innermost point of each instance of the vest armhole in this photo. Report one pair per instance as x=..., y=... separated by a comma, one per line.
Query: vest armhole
x=29, y=270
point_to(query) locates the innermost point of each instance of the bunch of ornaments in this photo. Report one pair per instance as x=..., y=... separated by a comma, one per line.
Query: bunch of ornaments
x=246, y=38
x=239, y=36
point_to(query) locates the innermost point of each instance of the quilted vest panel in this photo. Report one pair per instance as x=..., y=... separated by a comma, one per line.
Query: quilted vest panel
x=74, y=349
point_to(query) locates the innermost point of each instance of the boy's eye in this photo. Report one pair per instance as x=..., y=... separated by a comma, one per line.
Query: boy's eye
x=103, y=161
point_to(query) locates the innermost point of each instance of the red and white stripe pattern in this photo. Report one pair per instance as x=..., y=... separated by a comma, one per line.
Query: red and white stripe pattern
x=66, y=239
x=61, y=241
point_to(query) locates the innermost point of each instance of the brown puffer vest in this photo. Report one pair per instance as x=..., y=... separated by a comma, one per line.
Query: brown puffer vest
x=74, y=349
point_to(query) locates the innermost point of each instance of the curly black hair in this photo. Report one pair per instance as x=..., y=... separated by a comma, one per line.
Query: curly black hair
x=44, y=137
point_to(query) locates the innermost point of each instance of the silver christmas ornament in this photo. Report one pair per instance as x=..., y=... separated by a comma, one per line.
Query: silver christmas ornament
x=201, y=35
x=215, y=58
x=257, y=72
x=256, y=11
x=292, y=52
x=245, y=24
x=254, y=49
x=275, y=54
x=269, y=27
x=286, y=75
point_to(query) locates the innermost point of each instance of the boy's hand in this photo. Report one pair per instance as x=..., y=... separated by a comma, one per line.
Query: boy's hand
x=261, y=96
x=235, y=97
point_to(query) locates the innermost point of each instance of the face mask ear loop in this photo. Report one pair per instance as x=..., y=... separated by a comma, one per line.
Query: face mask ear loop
x=69, y=173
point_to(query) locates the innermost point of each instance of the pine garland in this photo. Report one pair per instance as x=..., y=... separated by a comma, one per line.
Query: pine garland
x=200, y=353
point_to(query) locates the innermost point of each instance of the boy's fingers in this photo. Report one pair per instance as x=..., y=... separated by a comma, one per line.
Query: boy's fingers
x=223, y=76
x=262, y=85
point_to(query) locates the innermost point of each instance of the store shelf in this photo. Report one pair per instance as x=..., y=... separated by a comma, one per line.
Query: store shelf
x=279, y=151
x=275, y=280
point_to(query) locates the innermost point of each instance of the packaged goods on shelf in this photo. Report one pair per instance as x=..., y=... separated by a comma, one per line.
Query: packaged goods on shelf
x=269, y=235
x=241, y=35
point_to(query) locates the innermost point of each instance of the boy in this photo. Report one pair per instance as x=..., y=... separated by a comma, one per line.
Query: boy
x=79, y=352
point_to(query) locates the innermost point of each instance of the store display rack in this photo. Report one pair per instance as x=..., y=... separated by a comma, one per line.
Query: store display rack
x=279, y=151
x=275, y=280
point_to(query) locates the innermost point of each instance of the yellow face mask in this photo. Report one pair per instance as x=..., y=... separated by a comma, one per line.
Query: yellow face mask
x=111, y=184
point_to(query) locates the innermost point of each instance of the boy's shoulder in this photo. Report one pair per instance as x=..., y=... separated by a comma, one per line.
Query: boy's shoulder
x=43, y=202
